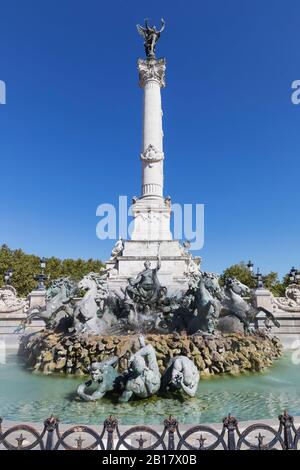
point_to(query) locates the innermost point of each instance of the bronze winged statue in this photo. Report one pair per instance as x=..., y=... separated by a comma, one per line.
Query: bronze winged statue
x=151, y=36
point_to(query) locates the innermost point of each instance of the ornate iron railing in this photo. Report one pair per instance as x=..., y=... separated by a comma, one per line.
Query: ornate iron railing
x=257, y=436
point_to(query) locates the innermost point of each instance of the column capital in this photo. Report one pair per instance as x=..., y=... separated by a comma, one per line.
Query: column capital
x=152, y=70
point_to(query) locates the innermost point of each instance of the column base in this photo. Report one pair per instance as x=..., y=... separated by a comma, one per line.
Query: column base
x=151, y=219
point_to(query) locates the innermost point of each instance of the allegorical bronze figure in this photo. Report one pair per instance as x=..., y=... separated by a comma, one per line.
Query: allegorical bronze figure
x=151, y=36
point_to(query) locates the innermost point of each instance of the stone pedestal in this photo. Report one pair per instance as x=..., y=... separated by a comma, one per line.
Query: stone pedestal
x=151, y=219
x=37, y=298
x=263, y=298
x=175, y=262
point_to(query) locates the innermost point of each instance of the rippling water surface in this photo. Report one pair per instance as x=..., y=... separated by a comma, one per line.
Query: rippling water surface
x=32, y=397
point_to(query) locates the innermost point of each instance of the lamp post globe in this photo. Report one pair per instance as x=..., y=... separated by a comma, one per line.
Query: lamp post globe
x=250, y=266
x=8, y=276
x=259, y=279
x=41, y=278
x=43, y=263
x=294, y=275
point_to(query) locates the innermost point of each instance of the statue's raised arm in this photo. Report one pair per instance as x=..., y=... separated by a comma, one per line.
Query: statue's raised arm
x=163, y=24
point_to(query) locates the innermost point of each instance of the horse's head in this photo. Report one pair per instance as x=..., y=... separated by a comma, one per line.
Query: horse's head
x=61, y=287
x=89, y=281
x=211, y=282
x=69, y=285
x=86, y=282
x=54, y=288
x=237, y=287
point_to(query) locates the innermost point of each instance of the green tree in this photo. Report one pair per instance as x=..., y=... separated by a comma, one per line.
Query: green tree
x=272, y=282
x=240, y=272
x=25, y=266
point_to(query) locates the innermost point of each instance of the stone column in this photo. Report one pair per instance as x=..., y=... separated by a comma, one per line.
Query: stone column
x=152, y=78
x=151, y=212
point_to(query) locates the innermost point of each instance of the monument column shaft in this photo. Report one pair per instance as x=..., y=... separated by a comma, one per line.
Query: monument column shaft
x=151, y=73
x=151, y=212
x=152, y=173
x=152, y=130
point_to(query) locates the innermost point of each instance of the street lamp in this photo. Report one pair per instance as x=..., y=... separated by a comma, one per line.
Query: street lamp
x=7, y=276
x=43, y=264
x=259, y=279
x=294, y=276
x=258, y=276
x=41, y=278
x=250, y=266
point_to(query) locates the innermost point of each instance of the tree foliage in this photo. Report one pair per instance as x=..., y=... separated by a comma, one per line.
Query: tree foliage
x=26, y=266
x=242, y=273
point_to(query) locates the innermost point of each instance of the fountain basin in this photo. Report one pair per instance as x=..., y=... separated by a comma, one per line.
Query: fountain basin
x=27, y=397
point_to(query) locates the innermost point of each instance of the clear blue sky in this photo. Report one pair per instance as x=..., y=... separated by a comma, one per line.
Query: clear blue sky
x=70, y=132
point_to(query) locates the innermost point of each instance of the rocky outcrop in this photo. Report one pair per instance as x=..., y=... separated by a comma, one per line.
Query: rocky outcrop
x=50, y=352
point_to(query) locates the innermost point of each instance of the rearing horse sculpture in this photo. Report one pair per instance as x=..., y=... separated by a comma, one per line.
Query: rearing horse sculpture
x=236, y=305
x=91, y=307
x=58, y=304
x=207, y=308
x=199, y=308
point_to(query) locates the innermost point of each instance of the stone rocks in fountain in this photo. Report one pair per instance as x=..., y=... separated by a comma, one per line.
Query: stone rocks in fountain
x=229, y=353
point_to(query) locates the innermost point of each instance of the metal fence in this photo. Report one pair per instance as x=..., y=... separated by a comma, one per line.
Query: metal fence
x=227, y=436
